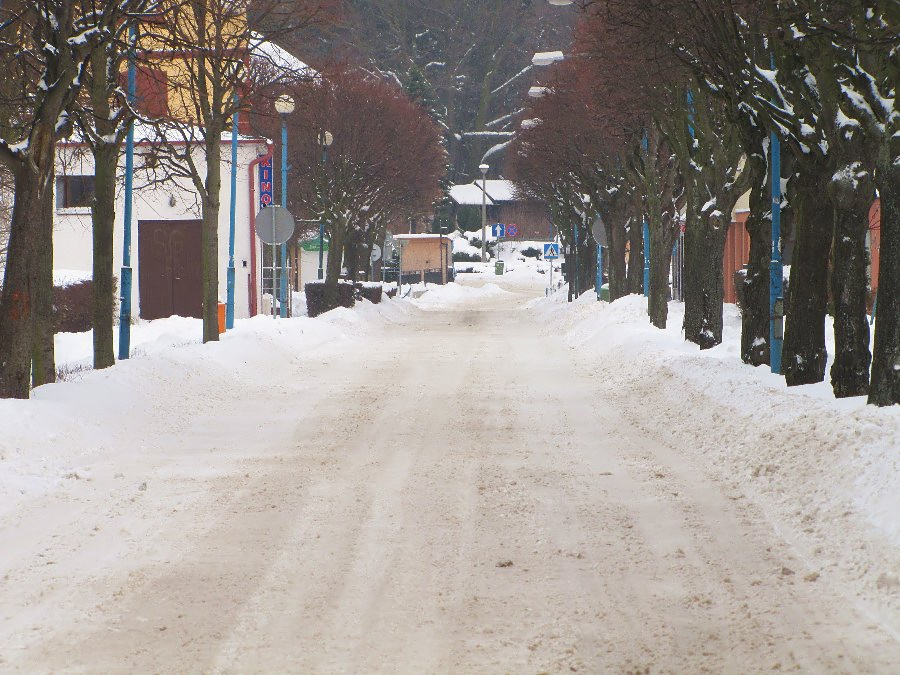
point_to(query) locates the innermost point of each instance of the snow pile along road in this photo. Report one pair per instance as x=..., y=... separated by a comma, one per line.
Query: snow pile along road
x=825, y=471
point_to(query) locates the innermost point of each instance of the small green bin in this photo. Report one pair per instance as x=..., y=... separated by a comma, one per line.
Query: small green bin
x=499, y=266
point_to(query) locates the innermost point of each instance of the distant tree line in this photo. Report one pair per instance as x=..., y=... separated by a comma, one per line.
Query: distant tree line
x=666, y=108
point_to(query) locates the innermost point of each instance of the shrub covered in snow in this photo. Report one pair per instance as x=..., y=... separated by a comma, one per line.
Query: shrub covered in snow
x=315, y=297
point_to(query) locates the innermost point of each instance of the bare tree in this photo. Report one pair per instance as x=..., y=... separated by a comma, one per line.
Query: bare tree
x=386, y=161
x=103, y=116
x=208, y=82
x=46, y=44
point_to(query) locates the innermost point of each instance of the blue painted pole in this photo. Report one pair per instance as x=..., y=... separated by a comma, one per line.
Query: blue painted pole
x=776, y=266
x=232, y=217
x=692, y=112
x=599, y=281
x=321, y=248
x=284, y=285
x=126, y=275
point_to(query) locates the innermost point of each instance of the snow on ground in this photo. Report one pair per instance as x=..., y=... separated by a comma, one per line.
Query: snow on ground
x=827, y=471
x=46, y=442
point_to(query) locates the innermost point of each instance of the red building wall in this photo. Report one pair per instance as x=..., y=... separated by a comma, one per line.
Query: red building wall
x=737, y=253
x=875, y=240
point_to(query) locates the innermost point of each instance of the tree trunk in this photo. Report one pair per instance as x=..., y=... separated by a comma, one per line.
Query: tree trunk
x=103, y=209
x=755, y=307
x=103, y=220
x=851, y=199
x=335, y=261
x=353, y=254
x=209, y=236
x=660, y=264
x=805, y=354
x=587, y=265
x=16, y=300
x=616, y=258
x=634, y=282
x=885, y=386
x=43, y=358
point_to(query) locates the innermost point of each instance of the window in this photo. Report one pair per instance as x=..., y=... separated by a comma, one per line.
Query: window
x=74, y=192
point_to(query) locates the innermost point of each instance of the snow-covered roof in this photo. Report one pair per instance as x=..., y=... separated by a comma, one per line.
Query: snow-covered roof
x=502, y=190
x=546, y=58
x=280, y=58
x=421, y=236
x=468, y=195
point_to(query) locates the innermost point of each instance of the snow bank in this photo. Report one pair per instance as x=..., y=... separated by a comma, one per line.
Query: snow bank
x=826, y=472
x=71, y=426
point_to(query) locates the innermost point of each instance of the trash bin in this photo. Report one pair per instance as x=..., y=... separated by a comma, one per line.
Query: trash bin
x=498, y=266
x=221, y=318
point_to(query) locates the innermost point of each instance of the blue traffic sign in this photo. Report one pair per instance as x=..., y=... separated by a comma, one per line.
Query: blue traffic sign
x=498, y=230
x=551, y=251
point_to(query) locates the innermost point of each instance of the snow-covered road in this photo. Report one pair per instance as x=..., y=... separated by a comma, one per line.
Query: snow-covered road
x=451, y=489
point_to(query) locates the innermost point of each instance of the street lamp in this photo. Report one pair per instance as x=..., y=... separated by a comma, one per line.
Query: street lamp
x=284, y=106
x=484, y=169
x=538, y=92
x=326, y=139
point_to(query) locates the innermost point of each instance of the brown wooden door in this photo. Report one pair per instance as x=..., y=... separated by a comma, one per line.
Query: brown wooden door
x=169, y=269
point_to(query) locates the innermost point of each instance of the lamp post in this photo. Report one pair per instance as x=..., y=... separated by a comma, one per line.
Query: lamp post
x=284, y=106
x=126, y=275
x=484, y=169
x=326, y=140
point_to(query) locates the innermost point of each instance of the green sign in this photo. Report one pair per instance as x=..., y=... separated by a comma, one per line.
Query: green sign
x=313, y=245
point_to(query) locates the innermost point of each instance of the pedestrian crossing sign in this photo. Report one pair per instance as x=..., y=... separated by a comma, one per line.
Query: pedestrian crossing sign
x=551, y=251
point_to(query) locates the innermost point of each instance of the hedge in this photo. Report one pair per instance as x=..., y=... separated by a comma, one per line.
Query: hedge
x=348, y=294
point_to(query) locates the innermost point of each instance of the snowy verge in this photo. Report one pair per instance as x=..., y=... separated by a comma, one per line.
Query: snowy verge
x=70, y=428
x=825, y=472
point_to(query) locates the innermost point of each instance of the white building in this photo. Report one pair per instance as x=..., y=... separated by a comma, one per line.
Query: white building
x=165, y=253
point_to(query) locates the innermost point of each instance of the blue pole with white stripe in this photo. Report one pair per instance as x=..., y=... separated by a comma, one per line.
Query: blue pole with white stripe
x=126, y=274
x=776, y=266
